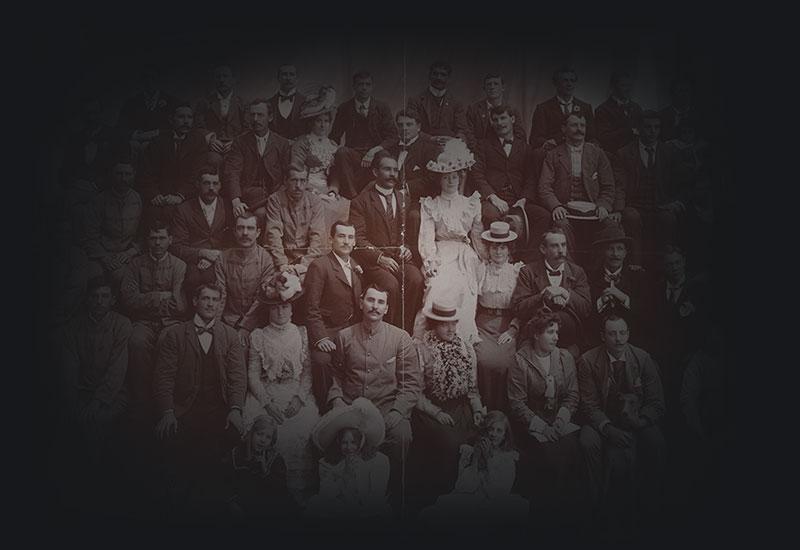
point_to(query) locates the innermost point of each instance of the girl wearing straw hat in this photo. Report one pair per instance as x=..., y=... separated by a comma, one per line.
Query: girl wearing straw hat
x=449, y=240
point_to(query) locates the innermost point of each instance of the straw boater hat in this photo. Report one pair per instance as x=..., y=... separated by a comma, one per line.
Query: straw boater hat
x=283, y=288
x=323, y=101
x=360, y=414
x=499, y=232
x=456, y=156
x=612, y=234
x=441, y=311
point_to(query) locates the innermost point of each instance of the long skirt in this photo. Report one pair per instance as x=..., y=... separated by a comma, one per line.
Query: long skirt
x=494, y=359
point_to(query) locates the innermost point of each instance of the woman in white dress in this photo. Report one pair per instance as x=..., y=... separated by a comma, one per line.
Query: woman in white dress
x=279, y=383
x=314, y=151
x=450, y=242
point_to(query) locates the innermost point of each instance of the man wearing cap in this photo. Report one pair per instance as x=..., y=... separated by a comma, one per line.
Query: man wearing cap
x=199, y=386
x=622, y=401
x=557, y=284
x=649, y=200
x=379, y=214
x=295, y=229
x=615, y=286
x=254, y=168
x=285, y=105
x=442, y=115
x=365, y=123
x=577, y=172
x=240, y=273
x=332, y=293
x=378, y=361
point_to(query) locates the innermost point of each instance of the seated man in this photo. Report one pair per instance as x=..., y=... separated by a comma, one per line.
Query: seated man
x=95, y=360
x=379, y=214
x=503, y=174
x=199, y=387
x=170, y=163
x=442, y=115
x=112, y=222
x=556, y=284
x=295, y=230
x=623, y=402
x=254, y=168
x=617, y=287
x=479, y=125
x=152, y=297
x=201, y=229
x=332, y=294
x=378, y=361
x=615, y=118
x=649, y=200
x=365, y=122
x=577, y=171
x=221, y=112
x=240, y=273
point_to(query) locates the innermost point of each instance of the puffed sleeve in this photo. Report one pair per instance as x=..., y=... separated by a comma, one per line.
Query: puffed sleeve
x=427, y=229
x=477, y=226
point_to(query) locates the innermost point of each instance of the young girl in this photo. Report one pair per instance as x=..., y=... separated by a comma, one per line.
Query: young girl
x=353, y=476
x=486, y=474
x=256, y=474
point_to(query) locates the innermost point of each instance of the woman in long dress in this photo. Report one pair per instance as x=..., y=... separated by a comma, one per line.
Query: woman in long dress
x=315, y=151
x=279, y=383
x=497, y=326
x=449, y=241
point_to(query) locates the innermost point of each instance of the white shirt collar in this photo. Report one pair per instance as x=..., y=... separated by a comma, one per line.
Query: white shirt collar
x=364, y=103
x=385, y=192
x=563, y=101
x=437, y=93
x=198, y=322
x=560, y=268
x=614, y=273
x=575, y=148
x=158, y=260
x=224, y=98
x=344, y=264
x=293, y=91
x=411, y=142
x=611, y=358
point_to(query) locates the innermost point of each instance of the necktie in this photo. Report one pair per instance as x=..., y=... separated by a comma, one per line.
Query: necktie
x=507, y=142
x=617, y=368
x=388, y=201
x=613, y=278
x=362, y=109
x=289, y=97
x=201, y=330
x=552, y=273
x=651, y=156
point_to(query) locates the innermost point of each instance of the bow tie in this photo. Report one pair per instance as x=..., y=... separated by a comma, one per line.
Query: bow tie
x=613, y=278
x=552, y=273
x=508, y=142
x=289, y=97
x=201, y=330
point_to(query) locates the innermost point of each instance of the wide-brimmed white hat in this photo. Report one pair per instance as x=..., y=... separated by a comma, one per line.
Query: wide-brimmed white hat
x=455, y=156
x=441, y=310
x=323, y=101
x=360, y=414
x=499, y=232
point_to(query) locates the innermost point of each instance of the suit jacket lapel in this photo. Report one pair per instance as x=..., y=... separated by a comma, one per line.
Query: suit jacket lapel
x=379, y=209
x=337, y=269
x=564, y=158
x=191, y=337
x=215, y=106
x=587, y=171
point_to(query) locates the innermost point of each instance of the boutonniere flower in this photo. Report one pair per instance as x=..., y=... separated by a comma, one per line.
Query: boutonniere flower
x=357, y=269
x=594, y=176
x=686, y=309
x=576, y=108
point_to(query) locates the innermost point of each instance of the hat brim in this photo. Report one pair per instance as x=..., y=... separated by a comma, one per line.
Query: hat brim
x=277, y=301
x=627, y=240
x=526, y=224
x=306, y=116
x=487, y=236
x=438, y=168
x=431, y=315
x=360, y=414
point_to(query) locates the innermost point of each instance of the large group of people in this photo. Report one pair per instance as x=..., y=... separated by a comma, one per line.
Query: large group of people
x=285, y=307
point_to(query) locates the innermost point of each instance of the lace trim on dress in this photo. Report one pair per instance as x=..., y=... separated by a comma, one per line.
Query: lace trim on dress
x=280, y=350
x=458, y=215
x=450, y=374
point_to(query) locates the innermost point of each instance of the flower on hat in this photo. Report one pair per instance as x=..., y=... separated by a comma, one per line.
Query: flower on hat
x=455, y=156
x=282, y=287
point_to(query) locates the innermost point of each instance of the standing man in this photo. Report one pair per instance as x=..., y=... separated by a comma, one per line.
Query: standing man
x=379, y=214
x=201, y=229
x=577, y=171
x=479, y=125
x=295, y=234
x=623, y=402
x=332, y=293
x=240, y=273
x=286, y=104
x=616, y=118
x=199, y=386
x=556, y=284
x=443, y=116
x=254, y=169
x=548, y=116
x=365, y=123
x=222, y=111
x=378, y=361
x=152, y=296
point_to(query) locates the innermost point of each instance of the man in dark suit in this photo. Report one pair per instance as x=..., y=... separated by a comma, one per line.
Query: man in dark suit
x=649, y=200
x=286, y=104
x=379, y=214
x=332, y=290
x=255, y=167
x=616, y=287
x=365, y=123
x=682, y=109
x=221, y=112
x=556, y=284
x=577, y=171
x=145, y=115
x=199, y=388
x=548, y=116
x=479, y=124
x=622, y=402
x=170, y=165
x=442, y=115
x=617, y=116
x=201, y=229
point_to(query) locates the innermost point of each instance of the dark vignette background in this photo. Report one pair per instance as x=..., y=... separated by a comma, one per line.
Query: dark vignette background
x=72, y=50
